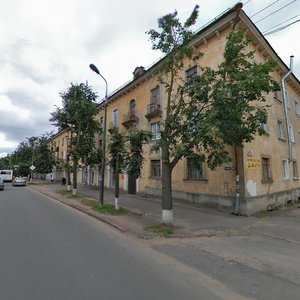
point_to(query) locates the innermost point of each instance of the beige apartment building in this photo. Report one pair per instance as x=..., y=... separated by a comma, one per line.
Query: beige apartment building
x=268, y=166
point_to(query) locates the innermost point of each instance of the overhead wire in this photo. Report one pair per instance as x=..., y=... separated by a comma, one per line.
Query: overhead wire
x=281, y=23
x=277, y=10
x=281, y=28
x=264, y=8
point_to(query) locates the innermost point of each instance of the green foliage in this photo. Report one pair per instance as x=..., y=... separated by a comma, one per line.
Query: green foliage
x=109, y=209
x=44, y=157
x=162, y=229
x=188, y=128
x=34, y=150
x=116, y=149
x=135, y=159
x=239, y=92
x=5, y=163
x=78, y=114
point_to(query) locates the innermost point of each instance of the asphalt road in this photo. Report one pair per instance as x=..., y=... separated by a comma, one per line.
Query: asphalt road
x=50, y=251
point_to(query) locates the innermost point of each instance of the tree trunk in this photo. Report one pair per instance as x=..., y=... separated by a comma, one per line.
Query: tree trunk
x=69, y=180
x=167, y=201
x=240, y=180
x=117, y=184
x=75, y=179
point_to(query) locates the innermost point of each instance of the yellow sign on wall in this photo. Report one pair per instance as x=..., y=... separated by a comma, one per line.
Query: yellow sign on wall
x=253, y=163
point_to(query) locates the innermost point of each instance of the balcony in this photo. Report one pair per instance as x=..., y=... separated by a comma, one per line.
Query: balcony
x=153, y=110
x=130, y=119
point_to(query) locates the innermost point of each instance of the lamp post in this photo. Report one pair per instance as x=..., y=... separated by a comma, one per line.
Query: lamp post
x=101, y=179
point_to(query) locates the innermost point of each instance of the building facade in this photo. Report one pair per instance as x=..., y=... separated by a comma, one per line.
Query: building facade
x=267, y=167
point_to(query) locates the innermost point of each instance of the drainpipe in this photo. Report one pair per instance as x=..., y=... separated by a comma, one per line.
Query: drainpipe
x=287, y=121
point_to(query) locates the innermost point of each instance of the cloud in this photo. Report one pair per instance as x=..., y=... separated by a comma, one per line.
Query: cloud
x=46, y=45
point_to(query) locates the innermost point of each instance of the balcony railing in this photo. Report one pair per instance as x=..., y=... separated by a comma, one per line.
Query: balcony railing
x=130, y=119
x=153, y=110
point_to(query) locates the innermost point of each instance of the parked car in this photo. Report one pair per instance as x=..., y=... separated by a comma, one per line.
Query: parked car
x=1, y=184
x=19, y=181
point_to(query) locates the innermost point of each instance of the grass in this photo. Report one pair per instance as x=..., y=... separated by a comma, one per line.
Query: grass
x=107, y=209
x=161, y=228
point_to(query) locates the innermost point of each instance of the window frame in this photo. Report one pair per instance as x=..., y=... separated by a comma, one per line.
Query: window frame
x=101, y=122
x=132, y=107
x=155, y=133
x=266, y=170
x=285, y=169
x=281, y=130
x=191, y=73
x=193, y=169
x=155, y=168
x=115, y=117
x=155, y=95
x=278, y=96
x=297, y=107
x=295, y=170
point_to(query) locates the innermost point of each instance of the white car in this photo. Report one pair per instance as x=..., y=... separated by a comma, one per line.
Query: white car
x=19, y=181
x=1, y=184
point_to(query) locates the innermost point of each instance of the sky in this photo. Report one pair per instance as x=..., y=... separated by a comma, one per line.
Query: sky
x=45, y=45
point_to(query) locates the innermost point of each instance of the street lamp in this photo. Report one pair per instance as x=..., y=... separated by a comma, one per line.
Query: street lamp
x=101, y=179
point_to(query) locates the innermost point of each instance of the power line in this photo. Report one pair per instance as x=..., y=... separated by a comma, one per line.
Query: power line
x=281, y=28
x=275, y=11
x=281, y=23
x=264, y=8
x=247, y=2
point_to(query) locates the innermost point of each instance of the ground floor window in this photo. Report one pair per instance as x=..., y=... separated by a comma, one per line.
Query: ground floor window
x=285, y=169
x=195, y=170
x=295, y=170
x=266, y=169
x=155, y=168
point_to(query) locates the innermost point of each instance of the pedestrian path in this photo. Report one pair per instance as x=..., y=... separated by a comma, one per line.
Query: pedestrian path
x=189, y=220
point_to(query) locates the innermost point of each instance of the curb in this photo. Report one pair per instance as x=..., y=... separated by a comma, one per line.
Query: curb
x=96, y=216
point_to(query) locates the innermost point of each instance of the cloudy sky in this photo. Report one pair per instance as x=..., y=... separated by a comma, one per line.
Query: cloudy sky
x=47, y=44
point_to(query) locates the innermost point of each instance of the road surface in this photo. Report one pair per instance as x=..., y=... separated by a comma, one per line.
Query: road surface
x=51, y=251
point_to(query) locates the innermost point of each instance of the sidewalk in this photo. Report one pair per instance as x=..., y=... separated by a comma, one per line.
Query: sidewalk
x=189, y=221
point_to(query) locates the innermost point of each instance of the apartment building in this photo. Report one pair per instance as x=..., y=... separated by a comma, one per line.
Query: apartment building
x=268, y=166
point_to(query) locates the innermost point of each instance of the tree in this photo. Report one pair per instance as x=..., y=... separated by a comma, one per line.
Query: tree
x=78, y=114
x=44, y=156
x=117, y=151
x=239, y=96
x=185, y=130
x=35, y=151
x=192, y=125
x=126, y=153
x=135, y=159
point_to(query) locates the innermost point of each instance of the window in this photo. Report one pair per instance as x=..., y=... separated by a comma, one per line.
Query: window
x=295, y=170
x=155, y=168
x=115, y=117
x=132, y=108
x=281, y=132
x=297, y=108
x=191, y=73
x=101, y=122
x=155, y=130
x=291, y=133
x=285, y=169
x=287, y=99
x=266, y=169
x=264, y=127
x=155, y=96
x=195, y=170
x=277, y=96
